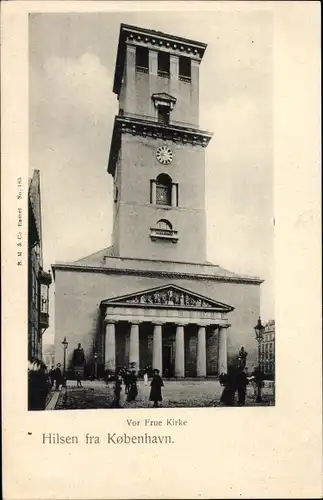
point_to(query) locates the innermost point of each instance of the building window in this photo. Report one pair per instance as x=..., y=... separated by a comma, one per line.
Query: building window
x=163, y=114
x=44, y=299
x=163, y=190
x=185, y=69
x=142, y=59
x=163, y=64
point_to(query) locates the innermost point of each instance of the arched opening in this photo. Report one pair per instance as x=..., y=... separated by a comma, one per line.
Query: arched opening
x=164, y=224
x=163, y=190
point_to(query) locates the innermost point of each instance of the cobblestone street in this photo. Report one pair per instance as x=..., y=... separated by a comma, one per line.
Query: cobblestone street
x=176, y=394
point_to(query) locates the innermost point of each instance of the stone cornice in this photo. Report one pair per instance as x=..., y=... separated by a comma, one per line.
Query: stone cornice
x=155, y=40
x=157, y=274
x=148, y=127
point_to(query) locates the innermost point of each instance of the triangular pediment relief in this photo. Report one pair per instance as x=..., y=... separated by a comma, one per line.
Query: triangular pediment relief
x=167, y=296
x=163, y=96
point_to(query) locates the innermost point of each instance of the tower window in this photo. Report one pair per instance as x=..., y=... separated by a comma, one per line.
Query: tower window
x=163, y=64
x=164, y=224
x=163, y=114
x=184, y=68
x=163, y=190
x=142, y=63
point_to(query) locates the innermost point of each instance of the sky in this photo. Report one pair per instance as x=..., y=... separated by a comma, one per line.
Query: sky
x=71, y=113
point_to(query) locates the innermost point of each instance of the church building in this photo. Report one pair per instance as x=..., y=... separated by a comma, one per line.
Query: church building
x=152, y=298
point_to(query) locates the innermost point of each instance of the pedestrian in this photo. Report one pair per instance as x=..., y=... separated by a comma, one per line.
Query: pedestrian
x=117, y=391
x=52, y=376
x=126, y=381
x=242, y=382
x=133, y=390
x=38, y=385
x=146, y=376
x=78, y=379
x=156, y=385
x=58, y=376
x=228, y=380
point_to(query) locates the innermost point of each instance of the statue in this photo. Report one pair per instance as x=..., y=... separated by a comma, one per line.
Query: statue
x=243, y=357
x=78, y=362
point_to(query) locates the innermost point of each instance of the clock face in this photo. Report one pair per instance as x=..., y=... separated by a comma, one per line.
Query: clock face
x=164, y=155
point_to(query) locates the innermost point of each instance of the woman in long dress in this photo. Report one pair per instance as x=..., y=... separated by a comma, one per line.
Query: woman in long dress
x=155, y=391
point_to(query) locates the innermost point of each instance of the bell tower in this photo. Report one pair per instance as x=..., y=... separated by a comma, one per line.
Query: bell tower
x=157, y=154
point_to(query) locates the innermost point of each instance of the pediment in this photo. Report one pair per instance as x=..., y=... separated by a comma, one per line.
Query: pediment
x=163, y=96
x=168, y=296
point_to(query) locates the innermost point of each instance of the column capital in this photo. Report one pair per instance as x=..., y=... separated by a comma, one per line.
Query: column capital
x=181, y=323
x=200, y=325
x=135, y=321
x=109, y=321
x=158, y=323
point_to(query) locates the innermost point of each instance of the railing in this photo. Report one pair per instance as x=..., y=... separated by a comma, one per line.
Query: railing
x=186, y=79
x=141, y=69
x=154, y=119
x=164, y=74
x=169, y=234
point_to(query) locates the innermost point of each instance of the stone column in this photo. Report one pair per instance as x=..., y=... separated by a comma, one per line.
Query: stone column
x=157, y=347
x=110, y=346
x=174, y=195
x=179, y=352
x=153, y=68
x=201, y=352
x=153, y=192
x=223, y=356
x=134, y=344
x=195, y=91
x=174, y=84
x=130, y=85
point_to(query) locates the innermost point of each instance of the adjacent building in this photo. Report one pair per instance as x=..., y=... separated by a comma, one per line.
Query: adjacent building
x=38, y=280
x=267, y=349
x=152, y=298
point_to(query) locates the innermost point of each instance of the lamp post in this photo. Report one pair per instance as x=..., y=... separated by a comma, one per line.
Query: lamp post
x=65, y=344
x=95, y=365
x=259, y=329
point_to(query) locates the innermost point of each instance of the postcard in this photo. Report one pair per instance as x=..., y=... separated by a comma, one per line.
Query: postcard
x=161, y=257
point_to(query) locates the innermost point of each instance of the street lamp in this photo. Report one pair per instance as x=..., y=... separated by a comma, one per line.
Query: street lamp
x=95, y=365
x=259, y=329
x=65, y=344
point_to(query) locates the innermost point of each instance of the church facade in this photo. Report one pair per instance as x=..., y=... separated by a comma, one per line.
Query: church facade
x=152, y=298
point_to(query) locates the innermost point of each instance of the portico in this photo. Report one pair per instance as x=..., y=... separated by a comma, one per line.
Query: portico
x=169, y=328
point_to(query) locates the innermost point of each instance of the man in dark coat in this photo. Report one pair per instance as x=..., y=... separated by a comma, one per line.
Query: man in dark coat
x=38, y=385
x=117, y=391
x=241, y=383
x=155, y=391
x=58, y=376
x=52, y=376
x=133, y=390
x=127, y=380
